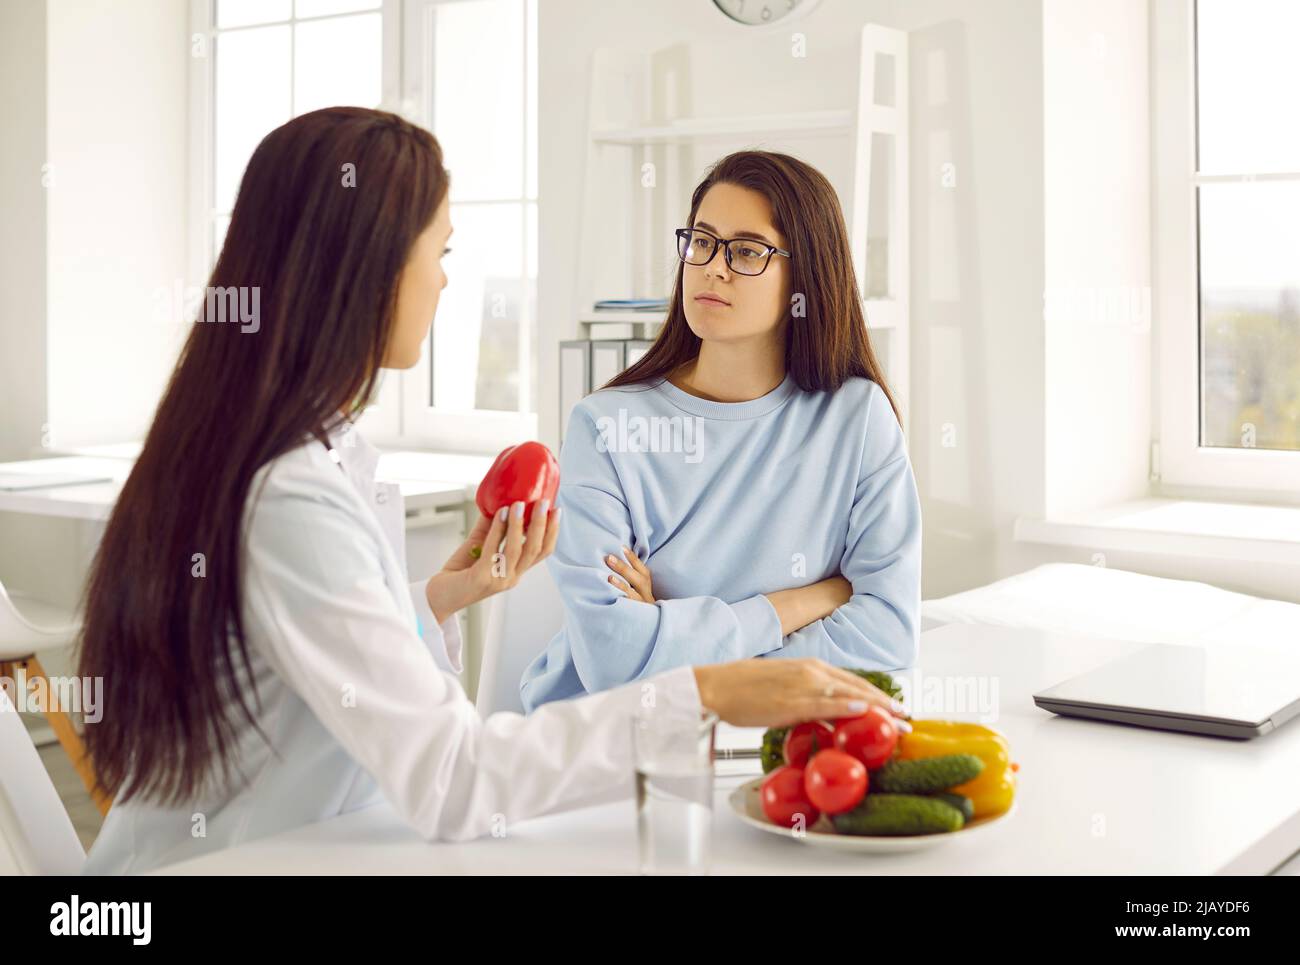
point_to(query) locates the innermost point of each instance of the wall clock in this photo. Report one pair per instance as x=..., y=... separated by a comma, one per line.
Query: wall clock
x=759, y=13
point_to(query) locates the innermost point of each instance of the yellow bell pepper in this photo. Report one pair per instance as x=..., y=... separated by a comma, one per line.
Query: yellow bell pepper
x=994, y=789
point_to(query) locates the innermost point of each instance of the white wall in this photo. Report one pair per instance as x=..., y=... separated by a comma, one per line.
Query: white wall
x=93, y=183
x=117, y=211
x=977, y=427
x=1097, y=242
x=977, y=226
x=23, y=228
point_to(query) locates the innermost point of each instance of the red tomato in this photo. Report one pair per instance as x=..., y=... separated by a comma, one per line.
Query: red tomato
x=801, y=738
x=526, y=472
x=784, y=798
x=870, y=738
x=835, y=782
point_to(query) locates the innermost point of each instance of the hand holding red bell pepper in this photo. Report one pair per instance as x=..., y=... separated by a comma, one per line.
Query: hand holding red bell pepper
x=526, y=474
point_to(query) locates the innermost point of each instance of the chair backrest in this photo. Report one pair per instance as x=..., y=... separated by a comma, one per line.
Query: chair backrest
x=28, y=625
x=36, y=834
x=520, y=623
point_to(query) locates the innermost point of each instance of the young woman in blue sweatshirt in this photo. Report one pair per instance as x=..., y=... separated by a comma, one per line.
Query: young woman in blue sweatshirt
x=743, y=490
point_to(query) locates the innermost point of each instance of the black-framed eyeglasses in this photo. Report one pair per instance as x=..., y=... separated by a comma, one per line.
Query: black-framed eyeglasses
x=745, y=256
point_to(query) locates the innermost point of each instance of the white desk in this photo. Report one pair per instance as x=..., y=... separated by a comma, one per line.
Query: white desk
x=1093, y=798
x=84, y=501
x=429, y=481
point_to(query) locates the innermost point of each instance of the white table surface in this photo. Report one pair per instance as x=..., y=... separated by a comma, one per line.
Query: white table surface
x=1093, y=798
x=427, y=481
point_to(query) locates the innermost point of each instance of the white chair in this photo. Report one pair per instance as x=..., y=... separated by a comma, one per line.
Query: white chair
x=36, y=834
x=520, y=623
x=27, y=626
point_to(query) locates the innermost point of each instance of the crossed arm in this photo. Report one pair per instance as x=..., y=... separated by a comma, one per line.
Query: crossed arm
x=795, y=607
x=867, y=615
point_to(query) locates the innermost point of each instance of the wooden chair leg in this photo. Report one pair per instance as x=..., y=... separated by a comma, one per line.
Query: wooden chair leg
x=66, y=732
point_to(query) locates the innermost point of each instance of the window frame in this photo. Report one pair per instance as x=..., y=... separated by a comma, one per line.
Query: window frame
x=1181, y=466
x=476, y=430
x=399, y=417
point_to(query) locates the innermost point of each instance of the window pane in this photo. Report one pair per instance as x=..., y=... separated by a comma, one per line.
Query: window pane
x=477, y=108
x=338, y=62
x=252, y=99
x=241, y=13
x=476, y=332
x=320, y=8
x=1250, y=314
x=1248, y=73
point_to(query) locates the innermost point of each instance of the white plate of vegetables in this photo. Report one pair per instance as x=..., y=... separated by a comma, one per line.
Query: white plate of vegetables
x=746, y=802
x=857, y=784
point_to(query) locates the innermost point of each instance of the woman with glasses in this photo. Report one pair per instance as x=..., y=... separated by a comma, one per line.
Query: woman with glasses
x=744, y=489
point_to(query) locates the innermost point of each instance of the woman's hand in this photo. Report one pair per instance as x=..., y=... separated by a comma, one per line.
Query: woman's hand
x=802, y=605
x=635, y=575
x=481, y=567
x=777, y=693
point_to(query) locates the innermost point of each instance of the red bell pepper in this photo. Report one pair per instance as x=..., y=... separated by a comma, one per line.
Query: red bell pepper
x=526, y=472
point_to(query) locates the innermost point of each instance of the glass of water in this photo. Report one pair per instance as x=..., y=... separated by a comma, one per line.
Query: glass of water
x=673, y=751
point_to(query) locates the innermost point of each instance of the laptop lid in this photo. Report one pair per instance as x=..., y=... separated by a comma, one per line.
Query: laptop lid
x=1234, y=690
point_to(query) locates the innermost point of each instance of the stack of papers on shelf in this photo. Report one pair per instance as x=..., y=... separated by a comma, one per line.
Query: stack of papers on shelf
x=631, y=305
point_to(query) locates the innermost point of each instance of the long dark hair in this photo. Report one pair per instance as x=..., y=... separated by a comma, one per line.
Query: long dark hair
x=829, y=343
x=326, y=216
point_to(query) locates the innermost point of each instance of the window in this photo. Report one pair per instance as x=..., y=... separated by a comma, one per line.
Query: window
x=1248, y=187
x=467, y=70
x=1228, y=243
x=273, y=60
x=470, y=75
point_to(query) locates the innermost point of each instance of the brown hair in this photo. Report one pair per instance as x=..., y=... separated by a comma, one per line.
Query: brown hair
x=829, y=343
x=326, y=216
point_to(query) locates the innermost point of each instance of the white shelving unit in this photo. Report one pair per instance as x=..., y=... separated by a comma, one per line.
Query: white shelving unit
x=693, y=129
x=647, y=148
x=879, y=220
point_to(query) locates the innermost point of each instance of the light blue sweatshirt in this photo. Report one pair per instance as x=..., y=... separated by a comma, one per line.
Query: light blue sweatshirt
x=725, y=502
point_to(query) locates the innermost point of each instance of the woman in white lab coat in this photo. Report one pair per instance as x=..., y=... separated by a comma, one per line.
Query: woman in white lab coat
x=264, y=662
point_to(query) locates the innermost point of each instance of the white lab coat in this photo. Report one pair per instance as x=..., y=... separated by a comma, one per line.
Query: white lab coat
x=355, y=705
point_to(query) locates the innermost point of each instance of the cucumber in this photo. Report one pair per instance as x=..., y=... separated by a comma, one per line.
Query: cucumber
x=927, y=774
x=899, y=814
x=961, y=803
